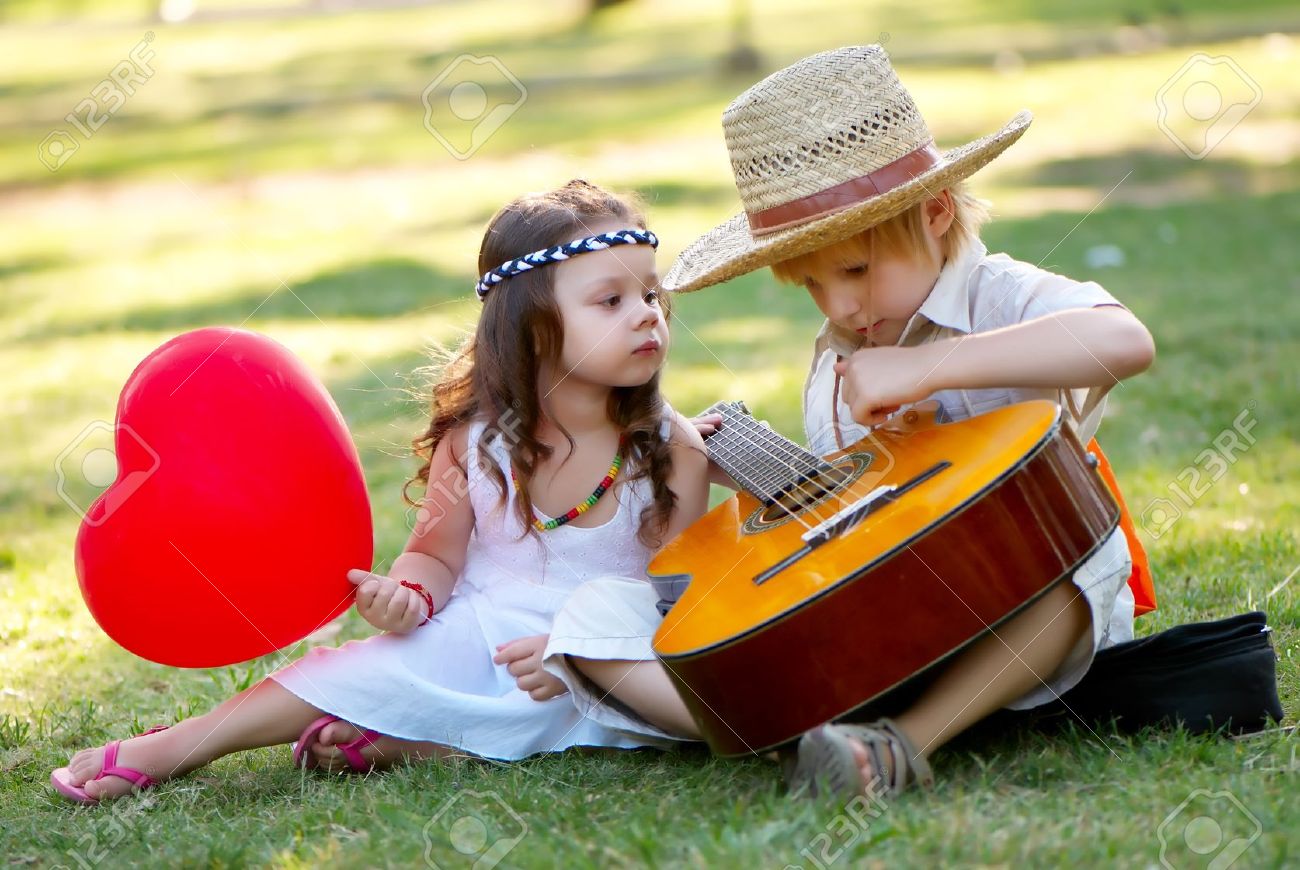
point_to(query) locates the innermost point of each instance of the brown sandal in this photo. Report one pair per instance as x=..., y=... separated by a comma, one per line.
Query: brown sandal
x=826, y=764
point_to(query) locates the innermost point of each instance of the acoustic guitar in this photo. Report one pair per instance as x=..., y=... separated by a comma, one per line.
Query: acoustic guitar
x=829, y=581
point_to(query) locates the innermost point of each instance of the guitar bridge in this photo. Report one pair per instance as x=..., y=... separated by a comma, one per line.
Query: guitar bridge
x=849, y=518
x=846, y=518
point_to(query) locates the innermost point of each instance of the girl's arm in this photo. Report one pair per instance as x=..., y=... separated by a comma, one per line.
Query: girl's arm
x=690, y=476
x=435, y=552
x=1085, y=347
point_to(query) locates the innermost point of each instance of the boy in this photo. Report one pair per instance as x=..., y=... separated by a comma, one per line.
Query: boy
x=846, y=195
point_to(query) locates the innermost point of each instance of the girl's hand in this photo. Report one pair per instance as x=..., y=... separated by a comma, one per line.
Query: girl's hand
x=878, y=380
x=523, y=658
x=386, y=604
x=707, y=424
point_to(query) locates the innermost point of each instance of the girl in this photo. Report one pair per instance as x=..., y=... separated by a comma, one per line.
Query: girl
x=846, y=196
x=557, y=392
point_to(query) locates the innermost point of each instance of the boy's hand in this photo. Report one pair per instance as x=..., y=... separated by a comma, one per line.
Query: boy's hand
x=523, y=658
x=878, y=380
x=386, y=604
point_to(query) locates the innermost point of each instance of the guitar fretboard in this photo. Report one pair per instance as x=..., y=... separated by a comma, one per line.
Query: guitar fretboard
x=767, y=464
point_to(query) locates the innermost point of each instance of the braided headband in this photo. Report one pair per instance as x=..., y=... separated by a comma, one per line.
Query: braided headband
x=528, y=262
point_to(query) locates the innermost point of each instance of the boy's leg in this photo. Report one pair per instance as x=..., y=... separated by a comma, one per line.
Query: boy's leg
x=645, y=687
x=1020, y=656
x=265, y=715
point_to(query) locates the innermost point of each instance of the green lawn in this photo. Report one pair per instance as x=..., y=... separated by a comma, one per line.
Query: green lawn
x=278, y=174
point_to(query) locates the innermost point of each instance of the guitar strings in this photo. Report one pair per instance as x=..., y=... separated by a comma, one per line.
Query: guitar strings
x=790, y=457
x=806, y=466
x=745, y=422
x=747, y=481
x=744, y=479
x=811, y=475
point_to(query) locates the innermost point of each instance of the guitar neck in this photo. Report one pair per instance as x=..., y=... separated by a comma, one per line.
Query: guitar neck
x=765, y=463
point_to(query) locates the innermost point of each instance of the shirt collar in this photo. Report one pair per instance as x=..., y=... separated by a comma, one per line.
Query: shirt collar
x=948, y=304
x=949, y=301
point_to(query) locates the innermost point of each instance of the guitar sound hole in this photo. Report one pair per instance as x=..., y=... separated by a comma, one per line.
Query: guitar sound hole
x=807, y=495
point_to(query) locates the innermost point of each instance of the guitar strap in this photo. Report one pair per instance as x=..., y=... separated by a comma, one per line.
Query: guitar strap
x=1140, y=580
x=835, y=409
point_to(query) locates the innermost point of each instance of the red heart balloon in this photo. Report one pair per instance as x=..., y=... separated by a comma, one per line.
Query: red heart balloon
x=238, y=507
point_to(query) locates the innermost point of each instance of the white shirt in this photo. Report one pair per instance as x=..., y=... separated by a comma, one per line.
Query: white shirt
x=979, y=292
x=976, y=292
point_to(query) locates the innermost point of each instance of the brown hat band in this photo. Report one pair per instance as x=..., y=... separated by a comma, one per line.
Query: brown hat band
x=845, y=194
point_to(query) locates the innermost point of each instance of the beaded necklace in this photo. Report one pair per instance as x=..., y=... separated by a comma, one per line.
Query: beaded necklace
x=575, y=512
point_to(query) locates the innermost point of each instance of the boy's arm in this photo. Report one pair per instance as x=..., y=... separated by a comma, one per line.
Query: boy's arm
x=1085, y=347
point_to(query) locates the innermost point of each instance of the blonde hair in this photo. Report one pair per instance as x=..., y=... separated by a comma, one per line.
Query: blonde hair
x=901, y=235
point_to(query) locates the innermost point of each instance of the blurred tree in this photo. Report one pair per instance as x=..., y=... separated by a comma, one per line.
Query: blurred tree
x=743, y=57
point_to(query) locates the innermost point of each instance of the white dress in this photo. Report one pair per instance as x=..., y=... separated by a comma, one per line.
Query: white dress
x=438, y=683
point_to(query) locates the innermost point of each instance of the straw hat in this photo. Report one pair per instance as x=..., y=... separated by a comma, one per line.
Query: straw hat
x=822, y=150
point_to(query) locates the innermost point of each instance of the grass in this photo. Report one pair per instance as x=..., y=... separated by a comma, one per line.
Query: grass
x=263, y=157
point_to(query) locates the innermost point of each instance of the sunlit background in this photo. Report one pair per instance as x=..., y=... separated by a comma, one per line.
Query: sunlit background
x=322, y=172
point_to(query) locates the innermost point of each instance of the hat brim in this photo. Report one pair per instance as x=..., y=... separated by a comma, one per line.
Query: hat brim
x=731, y=250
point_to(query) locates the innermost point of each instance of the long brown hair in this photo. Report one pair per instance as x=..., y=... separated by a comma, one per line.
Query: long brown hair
x=493, y=375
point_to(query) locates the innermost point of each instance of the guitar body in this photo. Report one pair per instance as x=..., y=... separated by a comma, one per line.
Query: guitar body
x=772, y=637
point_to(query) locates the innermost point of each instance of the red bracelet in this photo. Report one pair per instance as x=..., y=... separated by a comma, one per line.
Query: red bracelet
x=423, y=593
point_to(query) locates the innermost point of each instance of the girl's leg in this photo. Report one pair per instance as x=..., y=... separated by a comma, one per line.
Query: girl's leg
x=996, y=670
x=265, y=715
x=646, y=688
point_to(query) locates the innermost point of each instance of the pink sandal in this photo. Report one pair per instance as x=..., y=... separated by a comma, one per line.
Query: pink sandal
x=77, y=793
x=351, y=751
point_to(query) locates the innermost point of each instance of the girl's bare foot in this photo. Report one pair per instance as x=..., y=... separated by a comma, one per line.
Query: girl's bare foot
x=381, y=753
x=158, y=755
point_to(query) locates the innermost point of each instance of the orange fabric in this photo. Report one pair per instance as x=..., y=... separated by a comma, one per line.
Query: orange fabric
x=1144, y=590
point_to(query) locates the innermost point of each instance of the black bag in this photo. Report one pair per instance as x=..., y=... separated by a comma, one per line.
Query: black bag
x=1205, y=675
